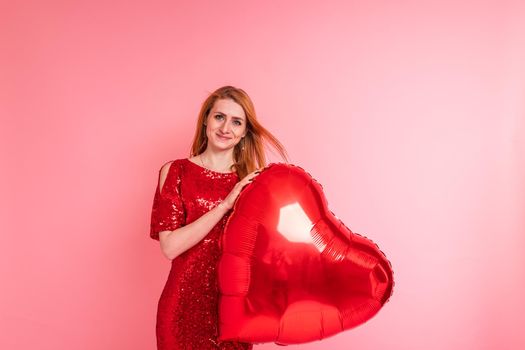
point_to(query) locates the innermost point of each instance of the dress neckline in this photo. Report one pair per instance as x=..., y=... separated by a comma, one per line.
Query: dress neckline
x=206, y=169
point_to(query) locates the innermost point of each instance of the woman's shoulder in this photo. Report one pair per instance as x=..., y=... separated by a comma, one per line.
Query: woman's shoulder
x=166, y=165
x=174, y=161
x=170, y=171
x=171, y=166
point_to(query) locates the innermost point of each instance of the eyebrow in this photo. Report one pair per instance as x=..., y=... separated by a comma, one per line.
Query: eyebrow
x=239, y=118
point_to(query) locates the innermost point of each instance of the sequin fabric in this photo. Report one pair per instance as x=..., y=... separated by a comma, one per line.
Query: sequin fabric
x=187, y=314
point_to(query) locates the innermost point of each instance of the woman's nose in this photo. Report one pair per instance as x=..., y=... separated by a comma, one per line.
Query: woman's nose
x=225, y=126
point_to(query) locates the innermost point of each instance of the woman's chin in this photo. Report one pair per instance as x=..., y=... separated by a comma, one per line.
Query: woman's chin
x=221, y=146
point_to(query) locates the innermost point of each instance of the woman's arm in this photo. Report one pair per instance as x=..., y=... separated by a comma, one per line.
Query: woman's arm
x=174, y=243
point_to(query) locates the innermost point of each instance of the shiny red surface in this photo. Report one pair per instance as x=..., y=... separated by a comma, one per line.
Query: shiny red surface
x=290, y=271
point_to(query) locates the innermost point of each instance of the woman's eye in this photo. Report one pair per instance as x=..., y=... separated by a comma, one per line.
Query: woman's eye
x=219, y=116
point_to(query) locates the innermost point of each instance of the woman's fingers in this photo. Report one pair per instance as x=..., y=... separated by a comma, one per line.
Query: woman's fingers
x=253, y=175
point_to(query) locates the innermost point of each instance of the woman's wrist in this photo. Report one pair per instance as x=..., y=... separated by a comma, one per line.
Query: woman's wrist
x=223, y=207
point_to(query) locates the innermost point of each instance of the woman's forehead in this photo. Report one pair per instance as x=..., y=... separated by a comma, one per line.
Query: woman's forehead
x=229, y=107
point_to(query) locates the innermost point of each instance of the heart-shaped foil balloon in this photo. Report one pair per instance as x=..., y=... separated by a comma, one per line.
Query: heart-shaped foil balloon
x=290, y=271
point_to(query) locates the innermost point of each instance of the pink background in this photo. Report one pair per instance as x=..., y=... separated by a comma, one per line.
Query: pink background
x=409, y=113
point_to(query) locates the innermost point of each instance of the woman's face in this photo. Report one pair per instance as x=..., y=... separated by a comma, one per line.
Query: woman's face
x=226, y=124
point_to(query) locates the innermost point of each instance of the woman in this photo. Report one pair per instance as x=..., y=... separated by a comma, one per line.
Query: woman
x=192, y=202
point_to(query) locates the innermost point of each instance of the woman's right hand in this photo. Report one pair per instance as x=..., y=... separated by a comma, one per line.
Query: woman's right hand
x=229, y=201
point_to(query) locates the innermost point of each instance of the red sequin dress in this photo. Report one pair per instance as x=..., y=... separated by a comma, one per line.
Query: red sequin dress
x=187, y=314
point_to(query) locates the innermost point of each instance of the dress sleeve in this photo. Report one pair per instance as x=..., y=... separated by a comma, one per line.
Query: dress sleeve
x=167, y=213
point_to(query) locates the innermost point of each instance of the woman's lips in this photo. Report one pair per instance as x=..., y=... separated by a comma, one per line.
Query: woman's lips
x=223, y=138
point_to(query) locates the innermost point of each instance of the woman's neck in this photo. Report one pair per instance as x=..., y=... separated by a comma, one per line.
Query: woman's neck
x=218, y=161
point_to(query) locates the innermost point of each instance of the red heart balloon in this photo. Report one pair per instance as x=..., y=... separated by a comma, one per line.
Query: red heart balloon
x=290, y=271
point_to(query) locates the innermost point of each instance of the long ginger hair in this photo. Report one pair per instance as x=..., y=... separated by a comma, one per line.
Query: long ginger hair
x=253, y=155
